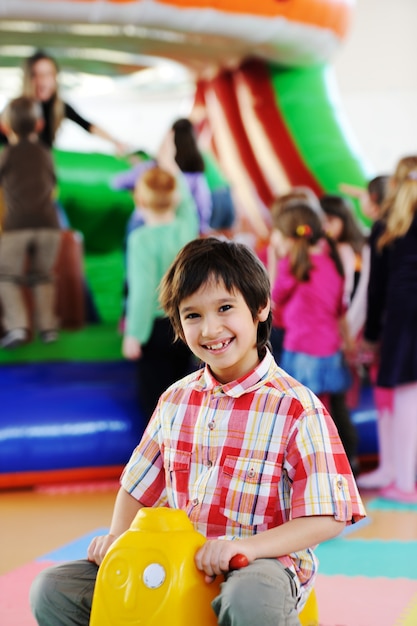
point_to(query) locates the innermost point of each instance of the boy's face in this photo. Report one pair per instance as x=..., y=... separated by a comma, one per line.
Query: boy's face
x=219, y=329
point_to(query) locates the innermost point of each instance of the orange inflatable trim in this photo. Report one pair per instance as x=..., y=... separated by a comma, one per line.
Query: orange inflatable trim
x=327, y=14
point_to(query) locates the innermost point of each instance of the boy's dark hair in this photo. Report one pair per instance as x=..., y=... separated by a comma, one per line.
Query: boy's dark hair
x=231, y=263
x=22, y=115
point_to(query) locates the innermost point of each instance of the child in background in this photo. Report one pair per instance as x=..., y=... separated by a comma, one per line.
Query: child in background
x=340, y=224
x=372, y=200
x=151, y=248
x=129, y=180
x=247, y=451
x=30, y=226
x=271, y=259
x=180, y=149
x=309, y=290
x=391, y=331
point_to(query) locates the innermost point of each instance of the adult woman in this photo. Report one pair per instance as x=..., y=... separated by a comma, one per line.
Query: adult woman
x=40, y=81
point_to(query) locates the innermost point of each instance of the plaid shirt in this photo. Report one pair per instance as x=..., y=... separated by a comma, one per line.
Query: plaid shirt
x=244, y=457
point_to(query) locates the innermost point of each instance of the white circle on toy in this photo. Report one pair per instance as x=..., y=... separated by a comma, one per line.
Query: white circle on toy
x=154, y=575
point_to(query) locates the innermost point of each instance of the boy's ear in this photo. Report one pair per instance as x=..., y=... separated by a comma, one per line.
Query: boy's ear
x=264, y=311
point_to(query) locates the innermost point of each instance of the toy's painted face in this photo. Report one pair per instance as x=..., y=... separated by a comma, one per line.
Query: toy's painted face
x=132, y=588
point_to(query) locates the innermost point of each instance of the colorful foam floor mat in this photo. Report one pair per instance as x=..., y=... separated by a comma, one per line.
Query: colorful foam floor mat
x=364, y=579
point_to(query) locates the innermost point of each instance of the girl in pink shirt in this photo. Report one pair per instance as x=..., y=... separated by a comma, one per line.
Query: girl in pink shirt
x=308, y=291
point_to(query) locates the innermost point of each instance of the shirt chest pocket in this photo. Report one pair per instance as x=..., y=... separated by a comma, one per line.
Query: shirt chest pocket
x=249, y=490
x=177, y=469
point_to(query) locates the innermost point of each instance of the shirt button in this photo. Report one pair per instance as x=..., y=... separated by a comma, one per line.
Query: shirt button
x=195, y=502
x=209, y=463
x=211, y=425
x=251, y=473
x=339, y=484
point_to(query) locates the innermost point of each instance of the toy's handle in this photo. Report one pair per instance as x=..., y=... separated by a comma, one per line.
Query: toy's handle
x=238, y=561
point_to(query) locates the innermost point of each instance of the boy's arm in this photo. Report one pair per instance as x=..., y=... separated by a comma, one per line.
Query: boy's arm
x=297, y=534
x=124, y=512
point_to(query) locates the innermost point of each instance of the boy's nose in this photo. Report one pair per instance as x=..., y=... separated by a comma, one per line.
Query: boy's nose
x=211, y=326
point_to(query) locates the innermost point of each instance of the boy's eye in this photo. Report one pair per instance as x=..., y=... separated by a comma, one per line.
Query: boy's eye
x=191, y=316
x=225, y=307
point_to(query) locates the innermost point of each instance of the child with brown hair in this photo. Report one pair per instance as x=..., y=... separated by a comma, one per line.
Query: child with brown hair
x=27, y=176
x=270, y=255
x=249, y=453
x=148, y=336
x=309, y=291
x=390, y=332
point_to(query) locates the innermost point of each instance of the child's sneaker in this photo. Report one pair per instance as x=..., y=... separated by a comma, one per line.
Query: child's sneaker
x=48, y=336
x=393, y=493
x=14, y=338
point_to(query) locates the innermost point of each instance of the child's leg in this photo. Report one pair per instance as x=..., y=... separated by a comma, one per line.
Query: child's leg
x=405, y=436
x=63, y=594
x=46, y=243
x=262, y=593
x=384, y=474
x=13, y=246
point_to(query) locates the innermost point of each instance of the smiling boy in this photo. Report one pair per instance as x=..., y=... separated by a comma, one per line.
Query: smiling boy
x=248, y=452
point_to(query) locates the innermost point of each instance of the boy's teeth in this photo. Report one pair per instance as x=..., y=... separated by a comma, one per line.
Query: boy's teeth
x=217, y=346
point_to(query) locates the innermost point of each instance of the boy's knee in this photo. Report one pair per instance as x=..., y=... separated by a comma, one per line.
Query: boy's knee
x=62, y=594
x=40, y=592
x=257, y=596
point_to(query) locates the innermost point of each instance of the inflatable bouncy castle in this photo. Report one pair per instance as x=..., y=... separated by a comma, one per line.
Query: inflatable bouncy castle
x=265, y=90
x=267, y=106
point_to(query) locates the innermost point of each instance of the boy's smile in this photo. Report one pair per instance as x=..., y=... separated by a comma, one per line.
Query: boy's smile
x=219, y=329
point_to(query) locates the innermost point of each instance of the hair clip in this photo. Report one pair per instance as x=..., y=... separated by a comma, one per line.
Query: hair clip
x=303, y=230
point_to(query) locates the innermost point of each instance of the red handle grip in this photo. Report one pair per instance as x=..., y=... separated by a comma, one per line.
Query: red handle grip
x=238, y=561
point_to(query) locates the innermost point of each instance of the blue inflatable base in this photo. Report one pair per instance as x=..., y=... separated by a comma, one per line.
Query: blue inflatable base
x=364, y=417
x=68, y=415
x=60, y=416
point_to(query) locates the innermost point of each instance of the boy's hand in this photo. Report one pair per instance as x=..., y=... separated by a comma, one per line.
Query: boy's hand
x=98, y=548
x=214, y=557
